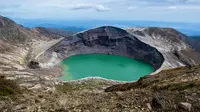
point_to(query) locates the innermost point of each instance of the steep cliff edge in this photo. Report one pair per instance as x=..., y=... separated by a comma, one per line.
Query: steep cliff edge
x=169, y=42
x=102, y=40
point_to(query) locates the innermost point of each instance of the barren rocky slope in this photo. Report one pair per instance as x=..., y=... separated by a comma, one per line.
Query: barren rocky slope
x=18, y=47
x=19, y=44
x=194, y=41
x=64, y=33
x=53, y=32
x=170, y=43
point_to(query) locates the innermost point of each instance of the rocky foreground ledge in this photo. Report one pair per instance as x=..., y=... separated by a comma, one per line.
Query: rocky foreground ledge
x=170, y=90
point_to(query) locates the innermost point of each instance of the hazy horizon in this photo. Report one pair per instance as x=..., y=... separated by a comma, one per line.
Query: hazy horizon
x=191, y=29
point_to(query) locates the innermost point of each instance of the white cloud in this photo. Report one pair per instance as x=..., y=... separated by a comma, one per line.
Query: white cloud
x=75, y=5
x=99, y=8
x=172, y=7
x=131, y=8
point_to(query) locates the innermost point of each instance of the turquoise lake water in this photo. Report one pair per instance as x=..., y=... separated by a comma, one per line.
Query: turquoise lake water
x=104, y=66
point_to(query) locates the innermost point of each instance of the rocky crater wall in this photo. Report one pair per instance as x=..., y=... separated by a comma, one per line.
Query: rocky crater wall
x=102, y=40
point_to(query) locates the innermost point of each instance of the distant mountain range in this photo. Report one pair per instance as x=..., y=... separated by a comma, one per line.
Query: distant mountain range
x=190, y=29
x=55, y=31
x=72, y=29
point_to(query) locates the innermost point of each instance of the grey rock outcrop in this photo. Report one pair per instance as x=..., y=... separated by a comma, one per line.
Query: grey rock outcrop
x=185, y=106
x=102, y=40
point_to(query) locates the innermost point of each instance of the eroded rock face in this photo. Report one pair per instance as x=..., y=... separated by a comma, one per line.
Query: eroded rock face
x=102, y=40
x=170, y=43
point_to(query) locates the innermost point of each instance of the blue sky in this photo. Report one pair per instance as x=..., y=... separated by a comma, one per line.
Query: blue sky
x=156, y=10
